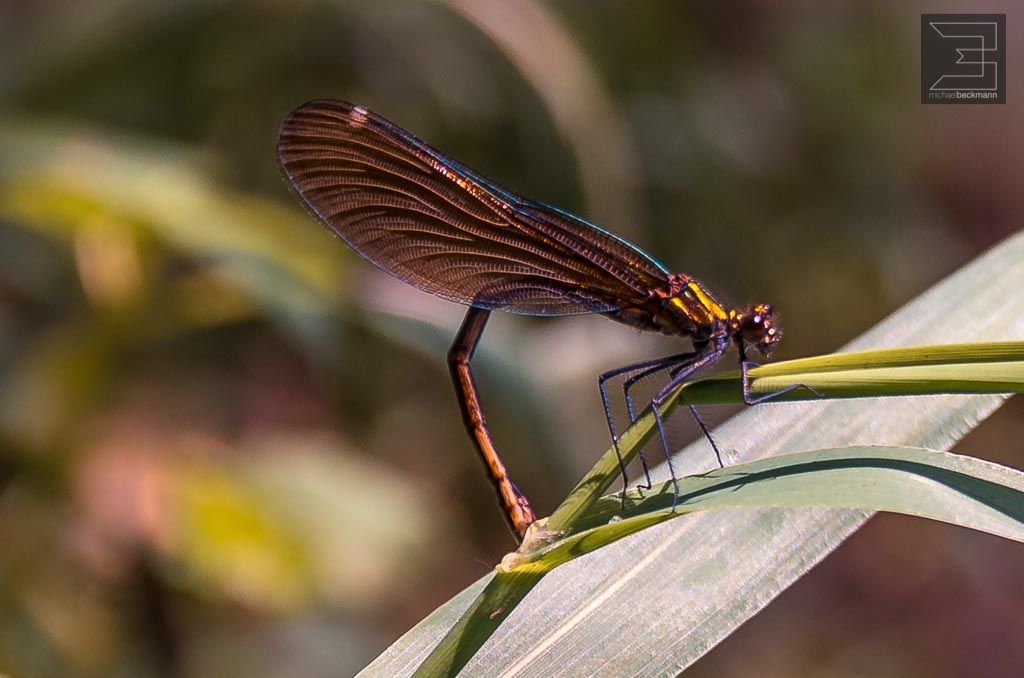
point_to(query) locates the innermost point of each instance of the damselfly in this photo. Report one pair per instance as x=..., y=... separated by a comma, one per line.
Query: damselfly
x=434, y=223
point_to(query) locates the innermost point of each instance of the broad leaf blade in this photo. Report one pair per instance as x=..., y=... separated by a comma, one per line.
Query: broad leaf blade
x=939, y=485
x=670, y=593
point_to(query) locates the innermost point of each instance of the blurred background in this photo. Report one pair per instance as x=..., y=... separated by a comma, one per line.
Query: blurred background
x=227, y=444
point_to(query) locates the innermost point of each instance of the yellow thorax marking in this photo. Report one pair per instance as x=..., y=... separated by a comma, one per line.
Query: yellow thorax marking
x=678, y=303
x=710, y=304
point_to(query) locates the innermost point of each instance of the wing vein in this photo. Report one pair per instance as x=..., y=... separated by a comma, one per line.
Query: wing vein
x=429, y=220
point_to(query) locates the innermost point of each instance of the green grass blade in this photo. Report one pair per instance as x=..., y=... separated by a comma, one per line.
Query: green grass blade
x=992, y=367
x=939, y=485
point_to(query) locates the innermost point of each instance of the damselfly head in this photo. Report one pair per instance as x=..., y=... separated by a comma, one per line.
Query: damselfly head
x=757, y=327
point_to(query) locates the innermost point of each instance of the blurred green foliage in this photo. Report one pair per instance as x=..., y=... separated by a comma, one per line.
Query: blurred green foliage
x=226, y=444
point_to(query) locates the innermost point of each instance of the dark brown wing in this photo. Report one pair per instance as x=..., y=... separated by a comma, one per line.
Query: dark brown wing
x=434, y=223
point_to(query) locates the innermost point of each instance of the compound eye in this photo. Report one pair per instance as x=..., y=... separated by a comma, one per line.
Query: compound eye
x=753, y=326
x=759, y=328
